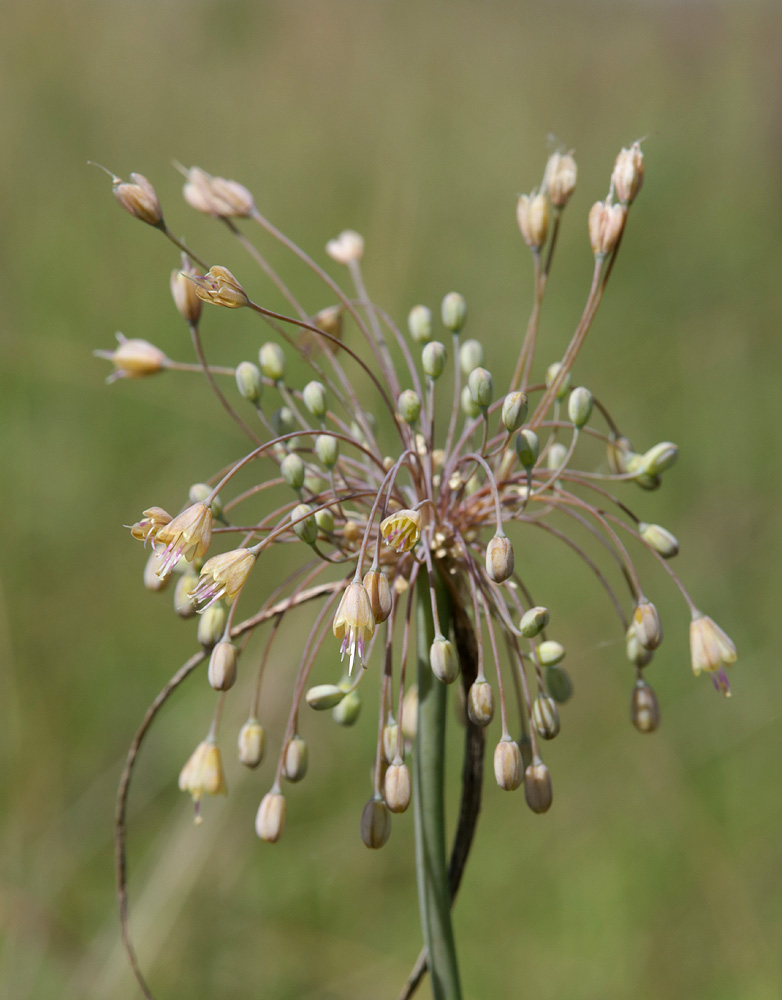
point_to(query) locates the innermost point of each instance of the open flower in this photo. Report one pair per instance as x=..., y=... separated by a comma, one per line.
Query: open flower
x=711, y=650
x=223, y=577
x=401, y=530
x=147, y=529
x=187, y=536
x=203, y=773
x=354, y=622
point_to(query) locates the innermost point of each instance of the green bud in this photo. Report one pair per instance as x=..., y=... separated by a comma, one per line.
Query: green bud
x=551, y=373
x=198, y=493
x=306, y=529
x=559, y=684
x=443, y=660
x=661, y=540
x=659, y=458
x=481, y=386
x=470, y=355
x=469, y=407
x=248, y=381
x=295, y=759
x=433, y=358
x=283, y=421
x=556, y=456
x=324, y=696
x=409, y=406
x=514, y=410
x=545, y=717
x=314, y=396
x=314, y=483
x=292, y=469
x=454, y=312
x=644, y=708
x=419, y=323
x=550, y=652
x=327, y=450
x=533, y=622
x=272, y=361
x=527, y=447
x=325, y=520
x=346, y=713
x=211, y=625
x=580, y=405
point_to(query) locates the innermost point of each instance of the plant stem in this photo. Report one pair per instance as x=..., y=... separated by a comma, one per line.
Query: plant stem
x=434, y=895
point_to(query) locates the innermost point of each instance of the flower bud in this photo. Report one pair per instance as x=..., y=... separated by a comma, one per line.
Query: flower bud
x=481, y=385
x=375, y=823
x=324, y=520
x=527, y=447
x=284, y=422
x=219, y=287
x=376, y=583
x=550, y=652
x=579, y=406
x=556, y=456
x=499, y=558
x=409, y=406
x=250, y=743
x=646, y=622
x=139, y=198
x=305, y=527
x=397, y=787
x=443, y=660
x=537, y=786
x=533, y=622
x=552, y=373
x=469, y=407
x=295, y=759
x=327, y=450
x=545, y=717
x=606, y=222
x=272, y=361
x=514, y=410
x=203, y=773
x=314, y=396
x=390, y=739
x=222, y=666
x=661, y=540
x=532, y=217
x=470, y=356
x=133, y=359
x=410, y=713
x=211, y=625
x=454, y=312
x=508, y=767
x=292, y=469
x=346, y=248
x=558, y=683
x=644, y=708
x=480, y=703
x=636, y=653
x=184, y=294
x=628, y=174
x=659, y=458
x=156, y=577
x=270, y=818
x=419, y=323
x=184, y=605
x=347, y=712
x=433, y=358
x=559, y=179
x=198, y=493
x=233, y=197
x=249, y=381
x=324, y=696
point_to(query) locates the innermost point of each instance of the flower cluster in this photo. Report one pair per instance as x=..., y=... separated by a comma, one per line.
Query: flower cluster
x=405, y=485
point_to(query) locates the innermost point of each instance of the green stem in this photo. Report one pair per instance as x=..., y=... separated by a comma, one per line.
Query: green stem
x=434, y=895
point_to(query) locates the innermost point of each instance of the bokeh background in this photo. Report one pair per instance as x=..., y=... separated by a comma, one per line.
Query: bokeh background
x=659, y=871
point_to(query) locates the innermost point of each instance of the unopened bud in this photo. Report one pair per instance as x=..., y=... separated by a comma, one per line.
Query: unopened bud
x=556, y=456
x=184, y=605
x=390, y=739
x=325, y=520
x=134, y=359
x=272, y=361
x=514, y=410
x=295, y=759
x=537, y=786
x=559, y=684
x=443, y=660
x=305, y=527
x=346, y=248
x=508, y=766
x=410, y=712
x=480, y=703
x=419, y=323
x=292, y=469
x=152, y=568
x=550, y=652
x=409, y=406
x=375, y=823
x=327, y=450
x=644, y=708
x=532, y=217
x=250, y=743
x=527, y=447
x=454, y=312
x=211, y=625
x=249, y=381
x=314, y=396
x=347, y=712
x=183, y=292
x=499, y=558
x=397, y=787
x=376, y=583
x=470, y=356
x=545, y=717
x=659, y=458
x=270, y=818
x=606, y=222
x=628, y=174
x=559, y=179
x=660, y=539
x=219, y=287
x=533, y=622
x=222, y=666
x=579, y=406
x=481, y=385
x=469, y=407
x=139, y=198
x=324, y=696
x=636, y=653
x=433, y=358
x=283, y=421
x=552, y=373
x=233, y=197
x=647, y=625
x=200, y=492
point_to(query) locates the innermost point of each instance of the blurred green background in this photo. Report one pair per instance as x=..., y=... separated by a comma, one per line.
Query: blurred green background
x=658, y=871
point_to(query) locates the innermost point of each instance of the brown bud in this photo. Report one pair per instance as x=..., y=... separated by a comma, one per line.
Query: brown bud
x=376, y=583
x=139, y=198
x=480, y=703
x=375, y=823
x=644, y=708
x=499, y=558
x=397, y=787
x=508, y=767
x=606, y=222
x=537, y=786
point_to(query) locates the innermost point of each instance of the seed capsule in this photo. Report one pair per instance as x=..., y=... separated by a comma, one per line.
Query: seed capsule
x=552, y=373
x=390, y=738
x=183, y=292
x=184, y=605
x=628, y=173
x=292, y=469
x=659, y=458
x=559, y=179
x=376, y=583
x=270, y=818
x=661, y=540
x=644, y=708
x=469, y=407
x=139, y=198
x=324, y=696
x=480, y=703
x=537, y=786
x=579, y=406
x=470, y=355
x=532, y=217
x=481, y=385
x=527, y=447
x=559, y=684
x=409, y=406
x=211, y=625
x=155, y=578
x=606, y=222
x=307, y=528
x=508, y=767
x=375, y=823
x=636, y=653
x=557, y=454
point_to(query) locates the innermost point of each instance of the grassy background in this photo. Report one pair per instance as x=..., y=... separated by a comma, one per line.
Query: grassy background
x=657, y=873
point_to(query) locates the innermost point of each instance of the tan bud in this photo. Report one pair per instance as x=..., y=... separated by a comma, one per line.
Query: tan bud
x=222, y=666
x=376, y=583
x=270, y=818
x=545, y=717
x=537, y=786
x=480, y=703
x=139, y=198
x=410, y=712
x=233, y=197
x=183, y=292
x=153, y=580
x=250, y=743
x=134, y=359
x=644, y=708
x=606, y=222
x=559, y=179
x=184, y=605
x=628, y=173
x=443, y=660
x=647, y=625
x=390, y=737
x=397, y=787
x=375, y=823
x=346, y=248
x=219, y=287
x=499, y=558
x=508, y=767
x=295, y=759
x=532, y=217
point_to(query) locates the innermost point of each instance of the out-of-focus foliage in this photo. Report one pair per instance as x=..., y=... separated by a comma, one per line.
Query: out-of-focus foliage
x=657, y=871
